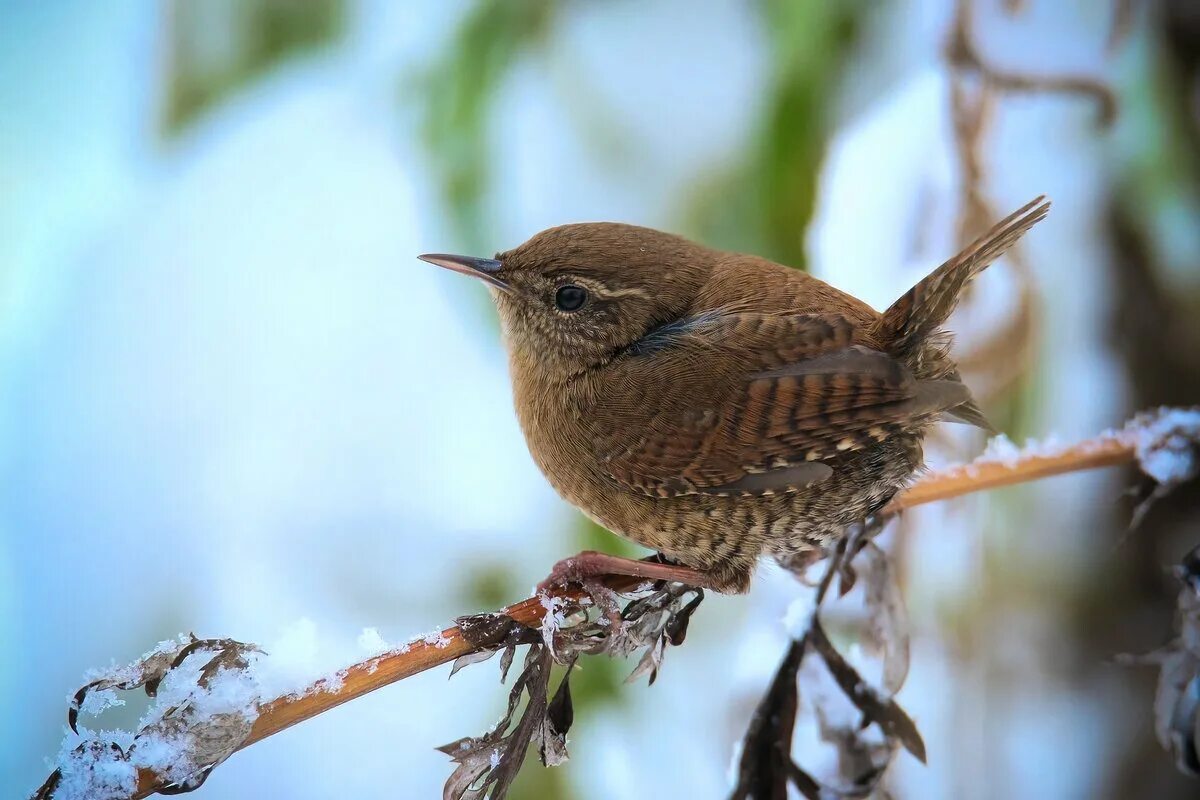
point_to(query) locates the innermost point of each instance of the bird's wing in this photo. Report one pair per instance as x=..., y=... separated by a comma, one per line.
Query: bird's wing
x=751, y=403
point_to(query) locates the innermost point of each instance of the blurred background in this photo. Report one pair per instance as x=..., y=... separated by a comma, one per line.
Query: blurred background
x=232, y=402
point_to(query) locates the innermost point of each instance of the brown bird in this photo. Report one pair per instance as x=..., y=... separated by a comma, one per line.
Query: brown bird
x=718, y=407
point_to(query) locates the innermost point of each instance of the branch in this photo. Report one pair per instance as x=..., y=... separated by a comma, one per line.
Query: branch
x=1162, y=442
x=992, y=472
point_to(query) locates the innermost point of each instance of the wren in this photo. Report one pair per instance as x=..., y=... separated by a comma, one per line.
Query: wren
x=719, y=407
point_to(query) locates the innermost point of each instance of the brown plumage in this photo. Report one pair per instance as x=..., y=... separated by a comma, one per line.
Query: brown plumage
x=719, y=407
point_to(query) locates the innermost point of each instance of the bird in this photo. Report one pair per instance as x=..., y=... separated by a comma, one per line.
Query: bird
x=717, y=407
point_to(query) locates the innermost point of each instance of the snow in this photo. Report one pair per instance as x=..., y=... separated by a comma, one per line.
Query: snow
x=799, y=616
x=193, y=721
x=95, y=773
x=187, y=726
x=436, y=638
x=1167, y=442
x=1002, y=450
x=553, y=619
x=1164, y=440
x=97, y=700
x=197, y=720
x=819, y=690
x=371, y=643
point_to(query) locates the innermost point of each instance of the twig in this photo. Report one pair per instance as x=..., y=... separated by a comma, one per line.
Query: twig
x=1166, y=430
x=981, y=475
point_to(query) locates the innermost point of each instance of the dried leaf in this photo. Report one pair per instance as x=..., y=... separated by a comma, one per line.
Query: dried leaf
x=486, y=630
x=805, y=783
x=146, y=672
x=506, y=661
x=561, y=712
x=677, y=624
x=1177, y=698
x=488, y=764
x=489, y=633
x=650, y=661
x=470, y=658
x=875, y=708
x=766, y=765
x=1168, y=452
x=193, y=782
x=888, y=620
x=198, y=741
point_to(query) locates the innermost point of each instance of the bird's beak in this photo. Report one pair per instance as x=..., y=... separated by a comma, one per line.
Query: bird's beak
x=483, y=268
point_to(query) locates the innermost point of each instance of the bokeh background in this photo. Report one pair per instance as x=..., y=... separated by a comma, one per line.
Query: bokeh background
x=232, y=402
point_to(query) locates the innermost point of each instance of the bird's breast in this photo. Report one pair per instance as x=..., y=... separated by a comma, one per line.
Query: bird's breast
x=558, y=421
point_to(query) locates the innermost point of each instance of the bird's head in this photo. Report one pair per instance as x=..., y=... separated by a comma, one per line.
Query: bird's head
x=573, y=296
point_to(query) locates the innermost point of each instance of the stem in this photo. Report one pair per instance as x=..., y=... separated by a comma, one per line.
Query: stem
x=978, y=476
x=378, y=671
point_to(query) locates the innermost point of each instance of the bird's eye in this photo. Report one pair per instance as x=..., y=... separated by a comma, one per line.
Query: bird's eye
x=570, y=297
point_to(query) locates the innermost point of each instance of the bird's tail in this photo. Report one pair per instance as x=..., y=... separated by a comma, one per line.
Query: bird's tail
x=924, y=308
x=916, y=317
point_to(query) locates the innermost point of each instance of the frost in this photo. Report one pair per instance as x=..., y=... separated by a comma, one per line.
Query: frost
x=799, y=616
x=93, y=769
x=97, y=701
x=821, y=693
x=554, y=618
x=435, y=638
x=1166, y=442
x=554, y=606
x=206, y=698
x=371, y=643
x=1003, y=451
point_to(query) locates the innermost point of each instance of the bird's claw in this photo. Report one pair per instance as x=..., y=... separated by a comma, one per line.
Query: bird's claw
x=574, y=570
x=568, y=571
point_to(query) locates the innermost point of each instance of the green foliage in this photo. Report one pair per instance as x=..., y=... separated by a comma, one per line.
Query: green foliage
x=765, y=203
x=216, y=48
x=490, y=586
x=457, y=94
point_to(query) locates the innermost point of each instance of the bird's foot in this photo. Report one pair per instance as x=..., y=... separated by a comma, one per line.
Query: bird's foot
x=590, y=565
x=605, y=599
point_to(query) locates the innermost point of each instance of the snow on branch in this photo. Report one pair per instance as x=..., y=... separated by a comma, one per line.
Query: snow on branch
x=1163, y=442
x=213, y=697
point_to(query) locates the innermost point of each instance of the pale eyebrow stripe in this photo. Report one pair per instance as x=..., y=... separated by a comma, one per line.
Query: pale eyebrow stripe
x=628, y=292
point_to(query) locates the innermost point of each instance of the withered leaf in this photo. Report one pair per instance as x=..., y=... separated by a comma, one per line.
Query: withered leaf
x=488, y=764
x=561, y=712
x=147, y=673
x=875, y=708
x=766, y=766
x=193, y=782
x=805, y=783
x=506, y=661
x=650, y=661
x=470, y=658
x=677, y=623
x=485, y=630
x=888, y=619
